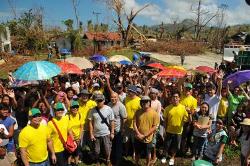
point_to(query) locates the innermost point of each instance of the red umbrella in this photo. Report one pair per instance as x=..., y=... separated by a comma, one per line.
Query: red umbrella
x=205, y=69
x=156, y=65
x=69, y=68
x=172, y=73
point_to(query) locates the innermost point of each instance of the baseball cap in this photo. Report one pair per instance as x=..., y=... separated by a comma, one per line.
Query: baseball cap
x=99, y=97
x=145, y=98
x=132, y=88
x=84, y=92
x=188, y=85
x=154, y=90
x=59, y=106
x=74, y=103
x=34, y=111
x=96, y=85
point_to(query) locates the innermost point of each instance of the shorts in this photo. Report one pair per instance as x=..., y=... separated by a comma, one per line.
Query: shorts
x=102, y=142
x=76, y=152
x=11, y=157
x=172, y=142
x=141, y=147
x=129, y=135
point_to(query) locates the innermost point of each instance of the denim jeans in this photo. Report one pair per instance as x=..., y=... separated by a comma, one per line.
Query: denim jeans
x=44, y=163
x=198, y=146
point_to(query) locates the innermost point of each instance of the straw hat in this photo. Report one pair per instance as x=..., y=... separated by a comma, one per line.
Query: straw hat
x=246, y=122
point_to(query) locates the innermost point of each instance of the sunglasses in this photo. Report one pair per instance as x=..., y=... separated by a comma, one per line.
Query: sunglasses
x=36, y=116
x=74, y=107
x=99, y=101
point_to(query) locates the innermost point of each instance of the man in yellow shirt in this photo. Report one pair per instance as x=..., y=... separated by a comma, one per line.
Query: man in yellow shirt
x=145, y=123
x=62, y=123
x=34, y=141
x=223, y=106
x=175, y=117
x=190, y=104
x=75, y=124
x=85, y=105
x=132, y=104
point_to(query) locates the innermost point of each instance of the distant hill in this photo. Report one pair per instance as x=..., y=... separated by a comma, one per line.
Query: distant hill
x=171, y=28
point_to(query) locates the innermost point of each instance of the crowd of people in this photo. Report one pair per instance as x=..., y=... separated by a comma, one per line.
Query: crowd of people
x=114, y=111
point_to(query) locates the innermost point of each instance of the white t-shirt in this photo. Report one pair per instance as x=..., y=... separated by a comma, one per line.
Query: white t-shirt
x=156, y=105
x=213, y=103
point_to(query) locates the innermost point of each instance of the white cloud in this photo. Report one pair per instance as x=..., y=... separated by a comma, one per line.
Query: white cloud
x=181, y=9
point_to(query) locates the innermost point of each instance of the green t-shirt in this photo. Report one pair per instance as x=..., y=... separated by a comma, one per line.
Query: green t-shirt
x=233, y=102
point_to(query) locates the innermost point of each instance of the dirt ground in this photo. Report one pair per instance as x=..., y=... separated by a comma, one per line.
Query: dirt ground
x=207, y=59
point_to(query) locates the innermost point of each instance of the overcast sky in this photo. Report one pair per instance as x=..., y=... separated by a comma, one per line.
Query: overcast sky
x=238, y=12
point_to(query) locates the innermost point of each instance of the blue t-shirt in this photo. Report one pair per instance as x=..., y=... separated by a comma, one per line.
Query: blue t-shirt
x=7, y=122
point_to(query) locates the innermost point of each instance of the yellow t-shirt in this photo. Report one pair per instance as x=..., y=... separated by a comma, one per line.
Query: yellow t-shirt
x=63, y=126
x=223, y=107
x=35, y=141
x=189, y=102
x=75, y=124
x=145, y=121
x=175, y=117
x=132, y=105
x=84, y=111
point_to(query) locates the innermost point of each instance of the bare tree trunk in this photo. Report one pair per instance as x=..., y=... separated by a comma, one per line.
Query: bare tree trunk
x=75, y=6
x=13, y=8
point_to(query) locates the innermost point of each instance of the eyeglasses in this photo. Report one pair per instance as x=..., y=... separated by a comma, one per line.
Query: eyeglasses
x=74, y=107
x=36, y=115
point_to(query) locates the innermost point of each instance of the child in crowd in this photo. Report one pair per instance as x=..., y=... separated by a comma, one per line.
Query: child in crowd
x=202, y=127
x=216, y=144
x=238, y=117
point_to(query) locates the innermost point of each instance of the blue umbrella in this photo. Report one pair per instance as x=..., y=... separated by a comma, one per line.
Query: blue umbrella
x=98, y=58
x=64, y=51
x=37, y=70
x=124, y=62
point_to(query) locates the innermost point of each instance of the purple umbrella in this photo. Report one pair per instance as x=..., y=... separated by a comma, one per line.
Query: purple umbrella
x=238, y=78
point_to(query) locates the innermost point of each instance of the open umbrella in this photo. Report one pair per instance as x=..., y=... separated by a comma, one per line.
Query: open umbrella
x=69, y=68
x=118, y=58
x=172, y=73
x=64, y=51
x=176, y=67
x=98, y=58
x=205, y=69
x=37, y=70
x=238, y=78
x=124, y=62
x=156, y=66
x=21, y=83
x=80, y=62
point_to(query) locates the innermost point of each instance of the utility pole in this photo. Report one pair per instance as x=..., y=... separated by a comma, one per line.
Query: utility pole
x=97, y=22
